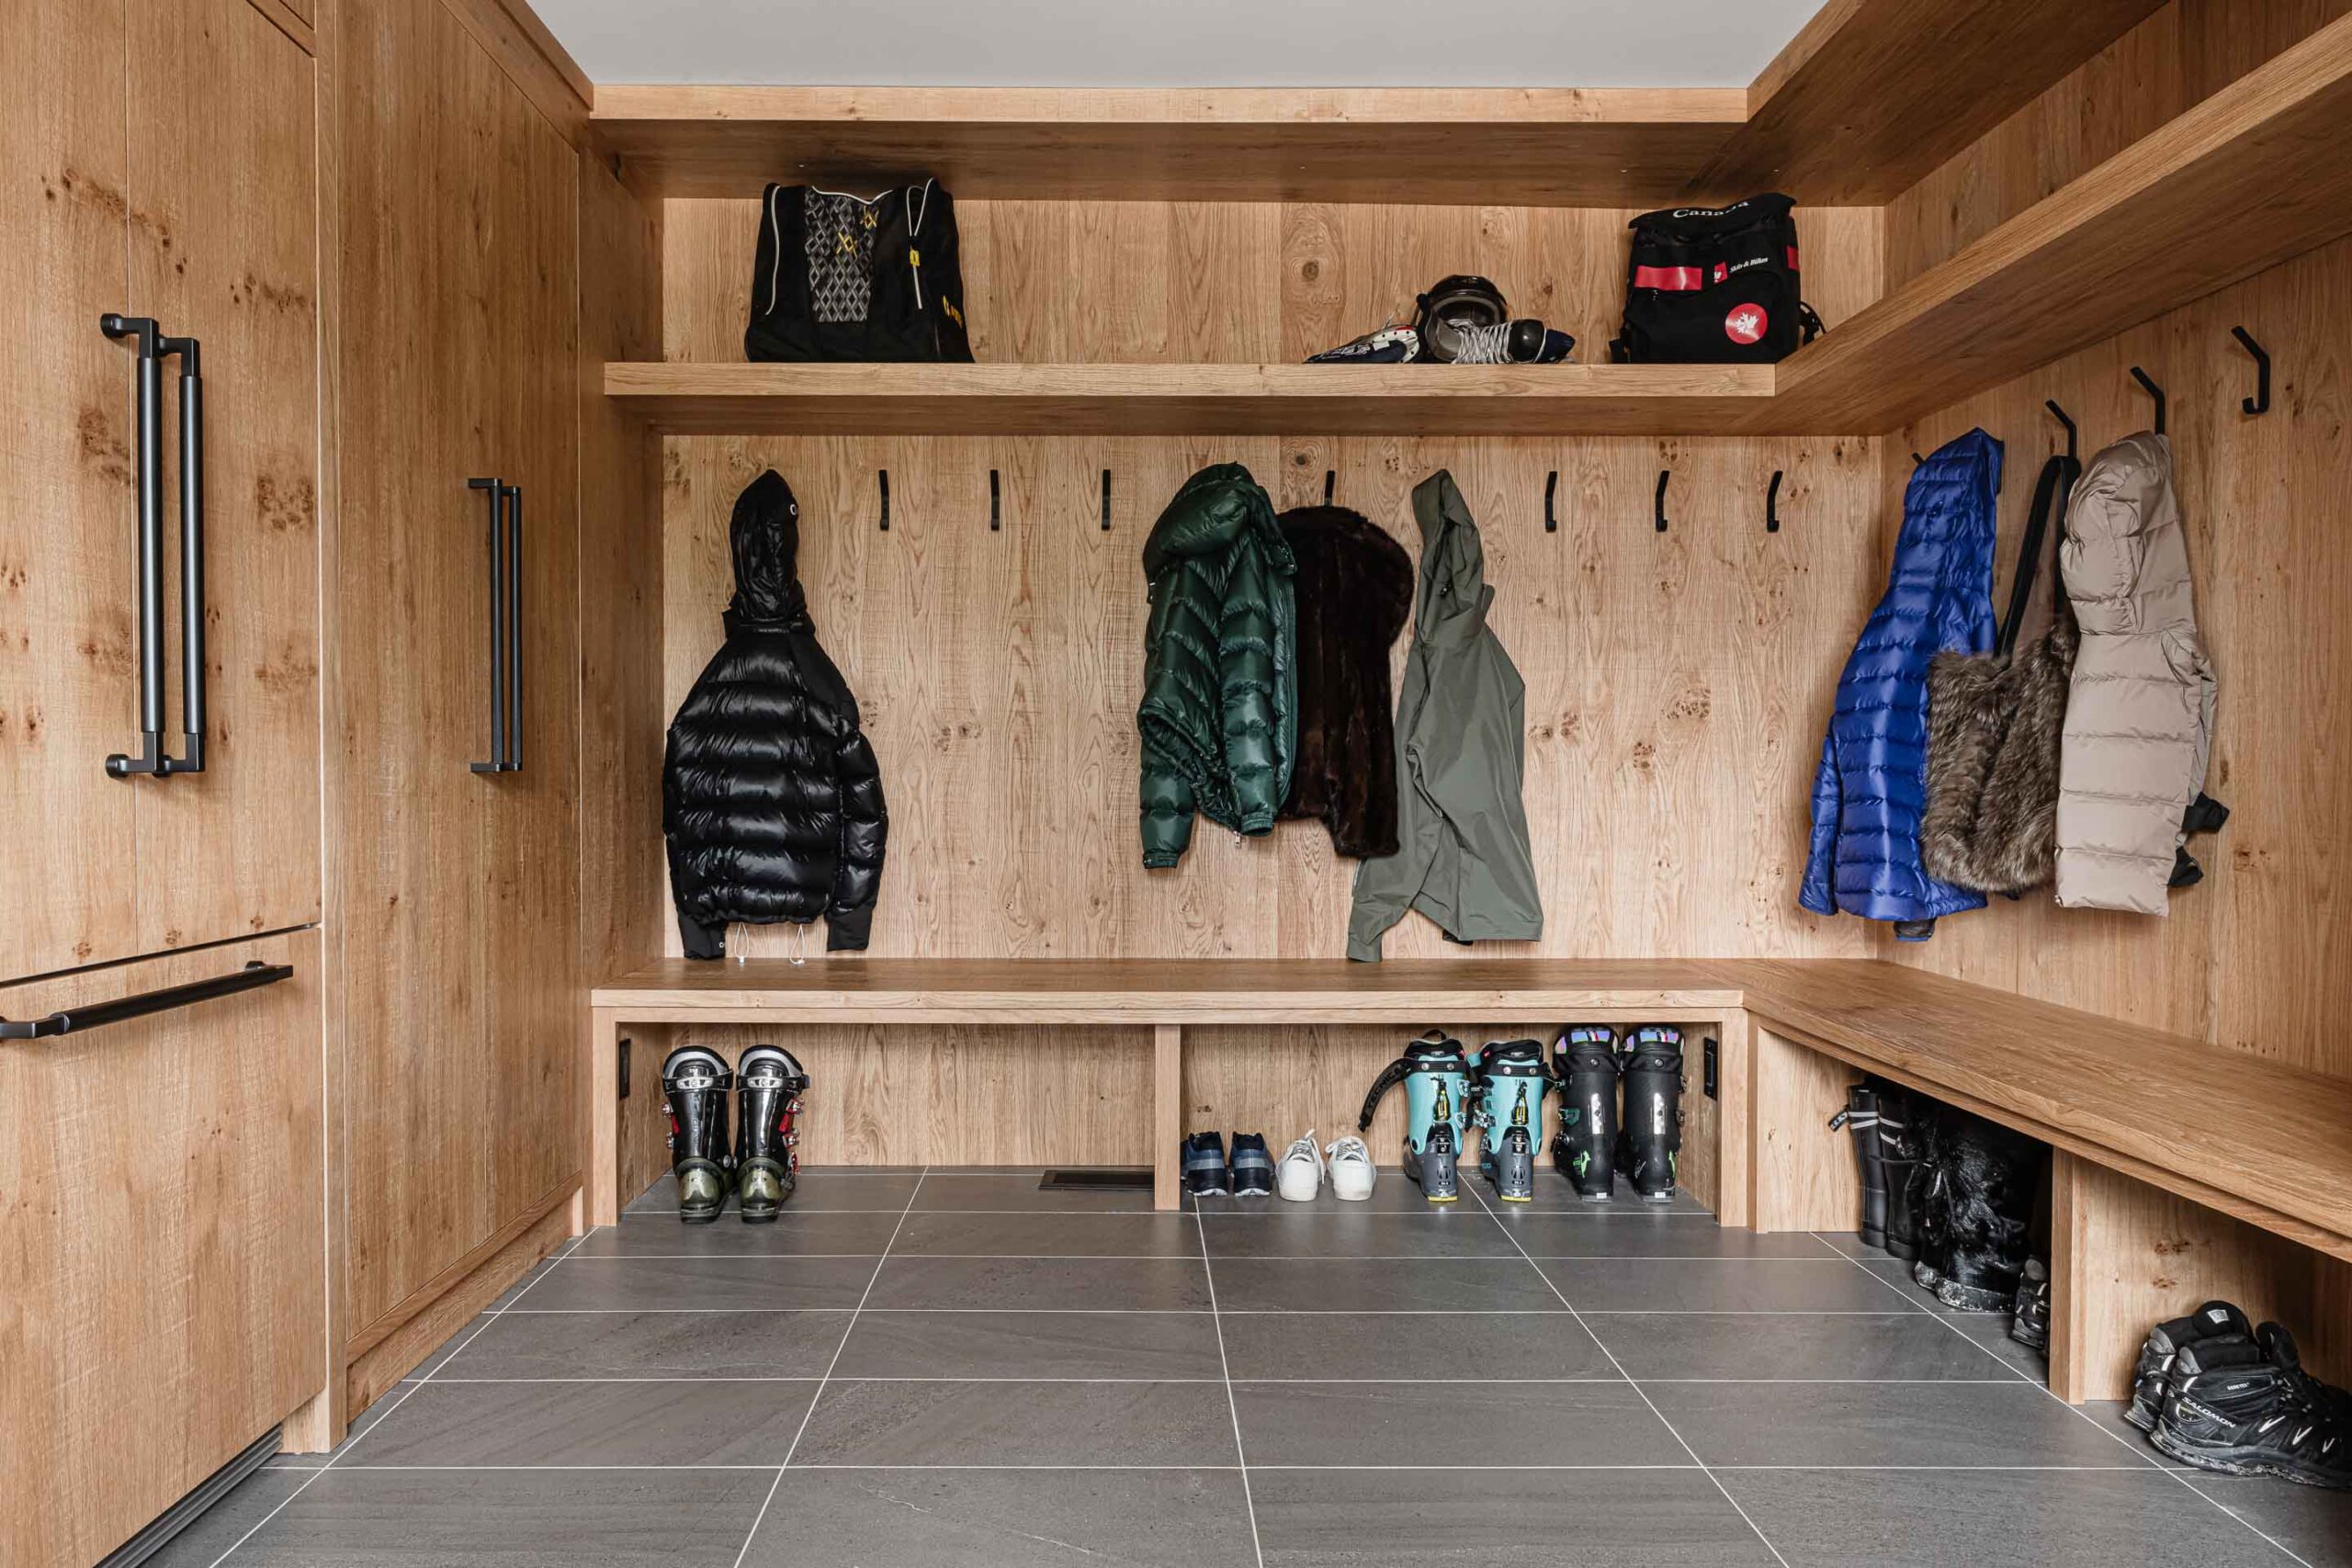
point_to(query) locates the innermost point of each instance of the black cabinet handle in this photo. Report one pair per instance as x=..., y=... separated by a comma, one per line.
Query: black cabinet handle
x=252, y=977
x=497, y=537
x=511, y=761
x=154, y=347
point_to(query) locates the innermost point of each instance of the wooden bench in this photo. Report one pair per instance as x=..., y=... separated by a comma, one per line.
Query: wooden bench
x=2181, y=1170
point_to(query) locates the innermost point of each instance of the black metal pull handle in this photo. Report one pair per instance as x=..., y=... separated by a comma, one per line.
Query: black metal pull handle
x=511, y=760
x=192, y=717
x=147, y=337
x=497, y=553
x=98, y=1015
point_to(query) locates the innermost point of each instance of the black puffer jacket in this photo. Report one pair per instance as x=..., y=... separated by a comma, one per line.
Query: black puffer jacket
x=769, y=795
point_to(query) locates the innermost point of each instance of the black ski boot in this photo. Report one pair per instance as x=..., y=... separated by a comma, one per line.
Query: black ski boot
x=2164, y=1344
x=1991, y=1174
x=767, y=1155
x=1509, y=1107
x=1861, y=1119
x=695, y=1080
x=2029, y=1313
x=2247, y=1408
x=1898, y=1149
x=1652, y=1134
x=1585, y=1149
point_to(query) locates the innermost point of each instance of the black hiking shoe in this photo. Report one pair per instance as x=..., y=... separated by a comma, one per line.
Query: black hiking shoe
x=2166, y=1340
x=1204, y=1172
x=2247, y=1408
x=1252, y=1169
x=2029, y=1317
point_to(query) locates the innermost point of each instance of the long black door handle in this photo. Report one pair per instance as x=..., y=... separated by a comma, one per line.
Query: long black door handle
x=512, y=757
x=191, y=757
x=497, y=496
x=252, y=977
x=147, y=337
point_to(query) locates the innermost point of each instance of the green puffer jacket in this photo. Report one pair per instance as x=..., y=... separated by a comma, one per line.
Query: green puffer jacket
x=1220, y=667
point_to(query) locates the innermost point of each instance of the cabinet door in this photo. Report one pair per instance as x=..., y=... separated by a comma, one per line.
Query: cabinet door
x=223, y=185
x=68, y=653
x=164, y=1237
x=409, y=611
x=530, y=840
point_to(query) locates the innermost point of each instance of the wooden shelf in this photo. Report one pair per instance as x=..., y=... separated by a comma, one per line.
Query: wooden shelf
x=1192, y=399
x=1547, y=147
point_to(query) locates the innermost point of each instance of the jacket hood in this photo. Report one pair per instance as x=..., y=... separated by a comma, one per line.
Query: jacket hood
x=1454, y=596
x=1211, y=512
x=765, y=536
x=1948, y=509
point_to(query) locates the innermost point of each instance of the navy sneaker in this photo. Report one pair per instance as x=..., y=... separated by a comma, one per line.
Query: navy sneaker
x=1205, y=1174
x=1253, y=1165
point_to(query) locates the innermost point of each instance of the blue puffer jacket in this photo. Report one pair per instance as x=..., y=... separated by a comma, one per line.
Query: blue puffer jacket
x=1873, y=780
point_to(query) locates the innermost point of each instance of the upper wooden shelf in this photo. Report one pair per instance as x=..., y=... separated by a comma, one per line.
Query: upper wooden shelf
x=1542, y=147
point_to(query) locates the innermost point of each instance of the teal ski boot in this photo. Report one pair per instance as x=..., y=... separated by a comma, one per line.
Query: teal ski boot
x=1436, y=1076
x=1511, y=1080
x=1585, y=1063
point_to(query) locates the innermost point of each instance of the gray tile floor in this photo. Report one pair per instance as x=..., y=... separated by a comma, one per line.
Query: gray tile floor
x=953, y=1369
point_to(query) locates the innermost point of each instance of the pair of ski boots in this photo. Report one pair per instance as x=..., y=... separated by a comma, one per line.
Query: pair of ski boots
x=762, y=1165
x=1447, y=1094
x=1595, y=1145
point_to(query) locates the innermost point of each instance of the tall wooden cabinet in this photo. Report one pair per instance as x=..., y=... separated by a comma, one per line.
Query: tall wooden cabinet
x=458, y=325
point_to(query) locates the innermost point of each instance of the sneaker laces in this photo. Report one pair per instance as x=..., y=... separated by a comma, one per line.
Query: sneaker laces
x=1350, y=1149
x=1485, y=344
x=1304, y=1144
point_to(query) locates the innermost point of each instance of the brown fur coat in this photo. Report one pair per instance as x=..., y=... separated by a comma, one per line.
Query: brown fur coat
x=1354, y=591
x=1994, y=726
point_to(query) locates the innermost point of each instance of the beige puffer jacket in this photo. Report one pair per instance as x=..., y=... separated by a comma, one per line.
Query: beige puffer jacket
x=2140, y=711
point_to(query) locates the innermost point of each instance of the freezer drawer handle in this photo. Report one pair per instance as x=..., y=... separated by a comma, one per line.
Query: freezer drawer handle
x=154, y=347
x=252, y=976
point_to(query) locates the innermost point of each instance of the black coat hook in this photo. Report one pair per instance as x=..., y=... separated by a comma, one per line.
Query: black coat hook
x=2260, y=401
x=1106, y=500
x=1773, y=503
x=1662, y=475
x=1551, y=489
x=996, y=503
x=1916, y=460
x=2062, y=417
x=883, y=476
x=2154, y=391
x=1330, y=483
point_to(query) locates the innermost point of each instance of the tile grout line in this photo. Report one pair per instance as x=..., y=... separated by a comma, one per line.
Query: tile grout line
x=810, y=1414
x=352, y=1442
x=2050, y=1393
x=1232, y=1406
x=1639, y=1393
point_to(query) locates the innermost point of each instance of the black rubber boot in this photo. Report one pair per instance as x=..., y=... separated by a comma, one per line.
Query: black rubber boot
x=1651, y=1137
x=1991, y=1172
x=1931, y=1192
x=767, y=1157
x=1861, y=1119
x=1898, y=1148
x=2164, y=1344
x=695, y=1080
x=1585, y=1150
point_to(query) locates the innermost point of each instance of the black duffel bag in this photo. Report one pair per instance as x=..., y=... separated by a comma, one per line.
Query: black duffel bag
x=850, y=277
x=1714, y=286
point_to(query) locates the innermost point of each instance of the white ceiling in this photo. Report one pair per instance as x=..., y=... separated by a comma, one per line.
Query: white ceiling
x=1194, y=43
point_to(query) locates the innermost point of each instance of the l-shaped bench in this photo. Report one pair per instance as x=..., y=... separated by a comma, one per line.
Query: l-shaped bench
x=2181, y=1170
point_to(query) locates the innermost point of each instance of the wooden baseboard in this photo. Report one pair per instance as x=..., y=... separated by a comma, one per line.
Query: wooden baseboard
x=386, y=1324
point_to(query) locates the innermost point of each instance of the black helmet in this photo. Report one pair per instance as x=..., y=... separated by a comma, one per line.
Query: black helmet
x=1457, y=301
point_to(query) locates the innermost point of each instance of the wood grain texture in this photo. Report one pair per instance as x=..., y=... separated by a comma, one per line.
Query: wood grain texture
x=1872, y=94
x=163, y=1240
x=1803, y=1178
x=1565, y=147
x=511, y=34
x=69, y=671
x=224, y=248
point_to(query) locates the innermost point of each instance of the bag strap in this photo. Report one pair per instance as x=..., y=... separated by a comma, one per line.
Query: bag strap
x=2050, y=492
x=1810, y=320
x=1390, y=1077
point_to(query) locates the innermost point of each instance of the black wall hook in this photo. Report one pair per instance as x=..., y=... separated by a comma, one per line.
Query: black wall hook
x=1106, y=500
x=1659, y=509
x=2260, y=401
x=2154, y=391
x=2064, y=418
x=883, y=477
x=1551, y=489
x=1772, y=502
x=996, y=503
x=1330, y=484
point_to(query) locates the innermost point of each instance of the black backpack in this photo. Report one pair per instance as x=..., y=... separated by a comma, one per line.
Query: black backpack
x=846, y=277
x=1714, y=286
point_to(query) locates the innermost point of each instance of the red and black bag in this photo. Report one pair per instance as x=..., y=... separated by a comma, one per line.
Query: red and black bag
x=1714, y=286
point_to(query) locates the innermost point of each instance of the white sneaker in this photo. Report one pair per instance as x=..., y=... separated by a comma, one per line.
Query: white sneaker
x=1299, y=1176
x=1351, y=1169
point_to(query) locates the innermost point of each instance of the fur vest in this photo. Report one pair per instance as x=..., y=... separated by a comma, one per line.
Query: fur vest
x=1355, y=588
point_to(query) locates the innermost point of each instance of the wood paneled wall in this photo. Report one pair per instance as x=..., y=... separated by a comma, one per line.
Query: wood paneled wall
x=2252, y=958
